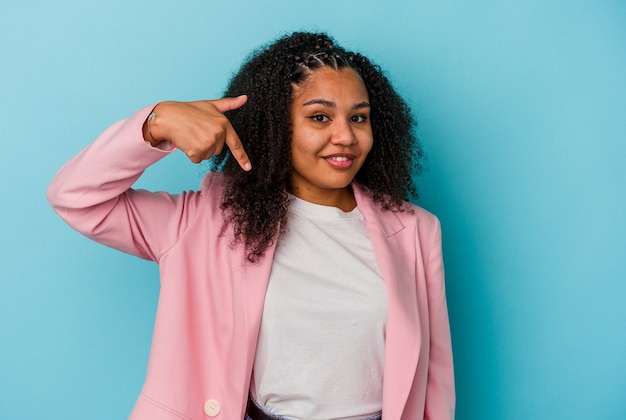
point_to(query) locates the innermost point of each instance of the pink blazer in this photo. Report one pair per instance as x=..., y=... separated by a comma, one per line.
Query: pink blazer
x=211, y=299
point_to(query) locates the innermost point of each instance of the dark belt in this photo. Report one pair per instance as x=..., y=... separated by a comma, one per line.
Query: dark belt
x=255, y=412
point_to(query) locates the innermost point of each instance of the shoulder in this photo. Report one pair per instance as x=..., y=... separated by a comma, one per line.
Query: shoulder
x=411, y=215
x=419, y=216
x=213, y=184
x=417, y=213
x=423, y=222
x=427, y=226
x=210, y=194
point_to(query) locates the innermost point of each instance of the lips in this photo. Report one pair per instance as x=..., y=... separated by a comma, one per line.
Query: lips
x=340, y=161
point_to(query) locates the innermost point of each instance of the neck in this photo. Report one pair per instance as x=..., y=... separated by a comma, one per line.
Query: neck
x=341, y=198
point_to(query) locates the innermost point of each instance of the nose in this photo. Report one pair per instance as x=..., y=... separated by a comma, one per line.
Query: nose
x=343, y=133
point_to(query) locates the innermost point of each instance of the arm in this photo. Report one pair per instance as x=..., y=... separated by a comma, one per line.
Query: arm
x=92, y=191
x=440, y=394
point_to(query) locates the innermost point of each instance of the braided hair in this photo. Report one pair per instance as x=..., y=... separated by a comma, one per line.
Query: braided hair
x=256, y=202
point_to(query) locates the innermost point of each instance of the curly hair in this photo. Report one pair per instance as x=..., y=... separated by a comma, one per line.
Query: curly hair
x=256, y=202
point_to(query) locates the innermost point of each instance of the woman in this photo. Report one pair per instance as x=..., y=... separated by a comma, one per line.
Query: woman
x=297, y=282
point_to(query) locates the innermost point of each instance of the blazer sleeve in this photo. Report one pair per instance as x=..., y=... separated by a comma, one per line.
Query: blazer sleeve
x=92, y=193
x=440, y=393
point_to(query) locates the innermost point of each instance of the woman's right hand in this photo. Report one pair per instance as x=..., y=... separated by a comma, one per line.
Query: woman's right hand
x=199, y=129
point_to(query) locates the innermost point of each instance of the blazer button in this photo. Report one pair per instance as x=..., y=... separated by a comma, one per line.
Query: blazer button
x=211, y=408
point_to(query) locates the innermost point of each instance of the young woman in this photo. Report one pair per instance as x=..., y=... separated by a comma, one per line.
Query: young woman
x=297, y=282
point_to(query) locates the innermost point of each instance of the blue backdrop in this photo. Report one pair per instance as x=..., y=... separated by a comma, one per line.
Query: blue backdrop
x=522, y=115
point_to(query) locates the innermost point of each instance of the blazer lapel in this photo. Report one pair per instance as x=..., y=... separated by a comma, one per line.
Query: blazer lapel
x=254, y=278
x=394, y=246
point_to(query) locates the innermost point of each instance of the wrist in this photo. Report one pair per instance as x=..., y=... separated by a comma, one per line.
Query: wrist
x=151, y=128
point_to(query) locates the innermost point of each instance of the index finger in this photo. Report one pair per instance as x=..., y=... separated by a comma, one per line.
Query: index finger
x=236, y=148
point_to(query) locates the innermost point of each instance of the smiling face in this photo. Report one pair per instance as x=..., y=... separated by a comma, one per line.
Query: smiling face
x=332, y=135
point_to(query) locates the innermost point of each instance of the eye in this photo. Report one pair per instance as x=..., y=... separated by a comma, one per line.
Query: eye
x=358, y=118
x=320, y=118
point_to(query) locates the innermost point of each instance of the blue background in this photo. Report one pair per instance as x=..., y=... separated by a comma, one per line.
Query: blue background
x=522, y=110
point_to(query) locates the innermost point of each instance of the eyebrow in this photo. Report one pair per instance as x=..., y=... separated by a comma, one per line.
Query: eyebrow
x=331, y=104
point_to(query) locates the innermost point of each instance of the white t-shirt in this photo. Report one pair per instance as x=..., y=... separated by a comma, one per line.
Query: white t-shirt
x=321, y=347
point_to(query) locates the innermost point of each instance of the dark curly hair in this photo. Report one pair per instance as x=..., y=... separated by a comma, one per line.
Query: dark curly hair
x=256, y=202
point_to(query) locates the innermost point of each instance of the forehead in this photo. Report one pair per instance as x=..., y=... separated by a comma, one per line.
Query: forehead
x=328, y=83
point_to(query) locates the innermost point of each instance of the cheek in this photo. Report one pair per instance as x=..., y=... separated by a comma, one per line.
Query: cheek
x=305, y=146
x=300, y=152
x=367, y=143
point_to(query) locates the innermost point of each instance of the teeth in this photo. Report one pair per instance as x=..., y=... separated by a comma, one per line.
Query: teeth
x=339, y=158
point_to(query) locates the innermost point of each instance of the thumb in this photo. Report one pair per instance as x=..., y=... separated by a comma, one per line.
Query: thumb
x=228, y=104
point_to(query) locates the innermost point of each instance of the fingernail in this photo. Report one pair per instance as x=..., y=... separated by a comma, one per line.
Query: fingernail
x=247, y=166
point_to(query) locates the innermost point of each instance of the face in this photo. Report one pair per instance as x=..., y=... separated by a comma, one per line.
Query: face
x=332, y=135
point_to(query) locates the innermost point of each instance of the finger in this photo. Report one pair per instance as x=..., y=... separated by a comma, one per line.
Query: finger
x=236, y=148
x=198, y=155
x=228, y=104
x=194, y=157
x=212, y=152
x=218, y=148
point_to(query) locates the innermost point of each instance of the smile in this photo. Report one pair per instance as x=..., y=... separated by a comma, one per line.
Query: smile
x=339, y=161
